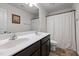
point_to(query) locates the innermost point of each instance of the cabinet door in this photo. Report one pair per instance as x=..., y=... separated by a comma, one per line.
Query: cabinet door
x=46, y=48
x=37, y=53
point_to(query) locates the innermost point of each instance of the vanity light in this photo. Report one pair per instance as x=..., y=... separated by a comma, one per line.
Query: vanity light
x=31, y=4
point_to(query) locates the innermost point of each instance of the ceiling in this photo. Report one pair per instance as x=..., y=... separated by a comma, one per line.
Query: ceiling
x=53, y=7
x=49, y=7
x=33, y=10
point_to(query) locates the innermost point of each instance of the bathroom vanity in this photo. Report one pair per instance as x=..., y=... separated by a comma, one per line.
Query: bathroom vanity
x=39, y=48
x=26, y=44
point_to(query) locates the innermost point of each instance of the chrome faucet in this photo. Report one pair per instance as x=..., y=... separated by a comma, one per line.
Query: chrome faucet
x=13, y=37
x=36, y=32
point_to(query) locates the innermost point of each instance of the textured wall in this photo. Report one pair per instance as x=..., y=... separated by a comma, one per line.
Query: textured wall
x=25, y=24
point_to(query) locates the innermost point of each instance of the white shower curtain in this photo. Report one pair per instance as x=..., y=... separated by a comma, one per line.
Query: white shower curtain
x=61, y=28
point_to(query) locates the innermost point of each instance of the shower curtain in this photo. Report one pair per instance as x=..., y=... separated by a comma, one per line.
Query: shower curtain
x=61, y=28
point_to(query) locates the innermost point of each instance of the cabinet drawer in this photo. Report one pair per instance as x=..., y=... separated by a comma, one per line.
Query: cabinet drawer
x=45, y=39
x=29, y=50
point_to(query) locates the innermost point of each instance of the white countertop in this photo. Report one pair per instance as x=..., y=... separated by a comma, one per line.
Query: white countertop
x=14, y=46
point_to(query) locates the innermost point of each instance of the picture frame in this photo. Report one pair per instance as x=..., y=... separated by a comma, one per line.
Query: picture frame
x=15, y=19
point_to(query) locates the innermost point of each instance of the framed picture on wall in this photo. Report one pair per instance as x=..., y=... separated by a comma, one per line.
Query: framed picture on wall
x=15, y=19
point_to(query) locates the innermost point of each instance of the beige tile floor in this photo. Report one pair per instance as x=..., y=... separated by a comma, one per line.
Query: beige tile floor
x=63, y=52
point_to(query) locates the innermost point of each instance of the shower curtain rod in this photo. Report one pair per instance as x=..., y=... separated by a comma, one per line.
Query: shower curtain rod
x=61, y=13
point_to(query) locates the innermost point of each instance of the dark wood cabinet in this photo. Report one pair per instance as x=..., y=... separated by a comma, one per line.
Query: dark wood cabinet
x=37, y=53
x=48, y=47
x=44, y=49
x=29, y=50
x=39, y=48
x=45, y=46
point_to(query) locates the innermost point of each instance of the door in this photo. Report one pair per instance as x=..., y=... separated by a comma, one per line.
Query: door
x=46, y=48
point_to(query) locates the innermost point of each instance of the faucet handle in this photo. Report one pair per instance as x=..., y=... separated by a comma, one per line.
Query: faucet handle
x=13, y=36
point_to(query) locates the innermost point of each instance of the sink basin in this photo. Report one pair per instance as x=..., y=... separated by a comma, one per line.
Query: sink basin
x=4, y=38
x=2, y=42
x=13, y=43
x=21, y=39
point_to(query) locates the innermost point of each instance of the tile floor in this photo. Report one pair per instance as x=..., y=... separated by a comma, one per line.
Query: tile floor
x=63, y=52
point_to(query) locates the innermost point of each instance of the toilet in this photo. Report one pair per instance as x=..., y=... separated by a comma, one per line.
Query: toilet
x=53, y=45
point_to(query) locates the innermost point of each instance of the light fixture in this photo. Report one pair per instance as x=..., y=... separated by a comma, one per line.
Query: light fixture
x=32, y=4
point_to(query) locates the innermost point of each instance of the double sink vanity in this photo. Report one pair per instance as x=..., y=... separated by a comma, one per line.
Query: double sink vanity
x=27, y=44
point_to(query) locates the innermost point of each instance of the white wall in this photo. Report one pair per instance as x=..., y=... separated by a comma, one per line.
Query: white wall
x=42, y=19
x=3, y=20
x=40, y=24
x=25, y=24
x=76, y=7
